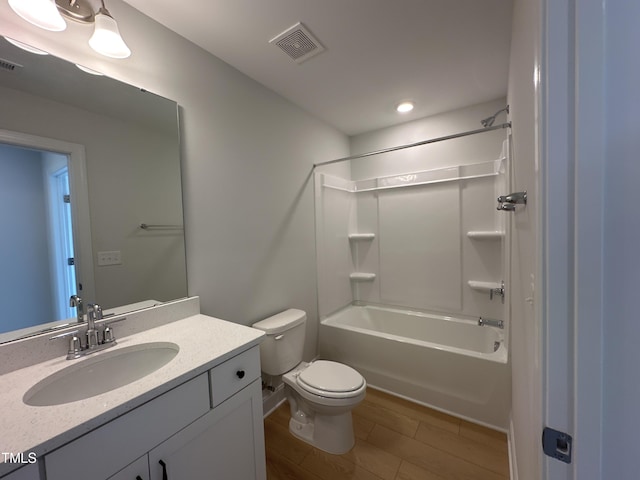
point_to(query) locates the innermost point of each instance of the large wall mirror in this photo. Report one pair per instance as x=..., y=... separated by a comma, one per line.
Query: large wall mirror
x=90, y=194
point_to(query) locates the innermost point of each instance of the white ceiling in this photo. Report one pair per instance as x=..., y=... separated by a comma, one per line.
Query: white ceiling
x=442, y=54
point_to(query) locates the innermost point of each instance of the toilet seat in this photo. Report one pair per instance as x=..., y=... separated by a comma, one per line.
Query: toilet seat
x=331, y=380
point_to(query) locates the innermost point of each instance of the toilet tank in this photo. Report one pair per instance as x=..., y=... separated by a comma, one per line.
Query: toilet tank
x=281, y=350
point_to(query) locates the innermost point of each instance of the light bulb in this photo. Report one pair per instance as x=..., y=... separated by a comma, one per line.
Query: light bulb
x=41, y=13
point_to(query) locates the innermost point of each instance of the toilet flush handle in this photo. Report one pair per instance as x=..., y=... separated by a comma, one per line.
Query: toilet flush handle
x=279, y=337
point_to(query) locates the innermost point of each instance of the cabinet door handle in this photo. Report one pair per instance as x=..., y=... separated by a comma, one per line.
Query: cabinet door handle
x=240, y=373
x=164, y=470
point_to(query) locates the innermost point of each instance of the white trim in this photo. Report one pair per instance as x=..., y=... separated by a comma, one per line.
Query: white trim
x=557, y=197
x=80, y=199
x=513, y=461
x=572, y=167
x=589, y=243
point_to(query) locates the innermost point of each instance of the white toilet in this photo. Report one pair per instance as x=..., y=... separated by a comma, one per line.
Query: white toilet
x=321, y=393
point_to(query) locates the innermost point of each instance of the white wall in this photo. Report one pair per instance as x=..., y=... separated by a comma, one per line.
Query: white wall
x=621, y=389
x=471, y=149
x=525, y=325
x=247, y=156
x=24, y=250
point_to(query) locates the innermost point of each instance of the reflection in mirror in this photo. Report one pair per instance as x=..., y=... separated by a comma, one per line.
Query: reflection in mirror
x=113, y=150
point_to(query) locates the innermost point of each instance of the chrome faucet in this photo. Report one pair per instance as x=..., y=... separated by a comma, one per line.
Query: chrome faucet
x=97, y=337
x=76, y=301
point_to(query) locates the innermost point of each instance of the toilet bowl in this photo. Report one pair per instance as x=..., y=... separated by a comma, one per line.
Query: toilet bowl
x=321, y=394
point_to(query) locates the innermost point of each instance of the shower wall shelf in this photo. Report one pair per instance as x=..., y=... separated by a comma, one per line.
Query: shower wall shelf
x=485, y=234
x=354, y=237
x=484, y=286
x=362, y=277
x=420, y=178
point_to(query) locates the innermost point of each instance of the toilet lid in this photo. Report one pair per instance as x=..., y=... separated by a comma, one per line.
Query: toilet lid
x=330, y=377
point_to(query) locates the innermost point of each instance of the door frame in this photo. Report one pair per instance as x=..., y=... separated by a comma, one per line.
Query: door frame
x=572, y=146
x=83, y=249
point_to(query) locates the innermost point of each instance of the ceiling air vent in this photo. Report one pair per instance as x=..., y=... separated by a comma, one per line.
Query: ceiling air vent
x=8, y=65
x=298, y=43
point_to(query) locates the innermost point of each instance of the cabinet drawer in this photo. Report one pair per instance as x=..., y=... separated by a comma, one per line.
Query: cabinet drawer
x=234, y=374
x=107, y=449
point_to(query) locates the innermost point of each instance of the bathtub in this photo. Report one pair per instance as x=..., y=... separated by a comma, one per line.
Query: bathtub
x=450, y=364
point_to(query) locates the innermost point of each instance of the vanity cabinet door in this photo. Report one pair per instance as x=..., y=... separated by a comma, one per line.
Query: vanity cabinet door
x=138, y=470
x=226, y=444
x=30, y=472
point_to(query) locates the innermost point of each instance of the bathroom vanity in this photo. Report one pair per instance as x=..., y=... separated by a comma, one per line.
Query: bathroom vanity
x=198, y=416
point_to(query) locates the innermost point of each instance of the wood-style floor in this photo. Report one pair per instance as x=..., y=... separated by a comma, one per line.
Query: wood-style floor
x=395, y=440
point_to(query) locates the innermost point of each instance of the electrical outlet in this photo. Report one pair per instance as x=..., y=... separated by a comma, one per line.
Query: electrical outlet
x=109, y=258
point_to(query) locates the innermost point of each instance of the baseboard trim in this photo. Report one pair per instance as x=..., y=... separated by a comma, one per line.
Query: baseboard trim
x=513, y=464
x=272, y=400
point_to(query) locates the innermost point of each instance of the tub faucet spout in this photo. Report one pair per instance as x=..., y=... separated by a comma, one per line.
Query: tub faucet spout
x=490, y=322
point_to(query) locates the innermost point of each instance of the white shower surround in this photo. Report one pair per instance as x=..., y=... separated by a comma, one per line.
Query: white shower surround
x=403, y=237
x=450, y=364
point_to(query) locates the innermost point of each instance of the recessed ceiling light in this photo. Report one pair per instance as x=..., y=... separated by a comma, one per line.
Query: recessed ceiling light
x=404, y=107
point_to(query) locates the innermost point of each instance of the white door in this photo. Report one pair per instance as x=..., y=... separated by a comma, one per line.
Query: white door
x=60, y=233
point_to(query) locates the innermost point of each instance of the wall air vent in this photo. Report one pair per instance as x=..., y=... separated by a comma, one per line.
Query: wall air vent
x=298, y=43
x=8, y=66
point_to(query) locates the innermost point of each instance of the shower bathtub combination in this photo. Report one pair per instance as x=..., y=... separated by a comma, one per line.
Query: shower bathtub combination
x=411, y=253
x=451, y=364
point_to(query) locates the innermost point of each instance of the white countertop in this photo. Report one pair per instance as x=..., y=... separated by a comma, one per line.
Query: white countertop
x=204, y=343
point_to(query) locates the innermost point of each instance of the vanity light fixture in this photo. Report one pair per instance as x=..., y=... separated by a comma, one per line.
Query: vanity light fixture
x=106, y=38
x=25, y=47
x=404, y=107
x=41, y=13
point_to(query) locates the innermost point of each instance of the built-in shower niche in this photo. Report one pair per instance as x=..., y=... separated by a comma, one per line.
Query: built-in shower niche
x=427, y=240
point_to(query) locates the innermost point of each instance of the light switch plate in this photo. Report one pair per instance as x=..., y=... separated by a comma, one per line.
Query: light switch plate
x=113, y=257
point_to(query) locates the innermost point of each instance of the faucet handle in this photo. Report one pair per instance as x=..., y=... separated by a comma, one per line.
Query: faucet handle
x=107, y=333
x=75, y=346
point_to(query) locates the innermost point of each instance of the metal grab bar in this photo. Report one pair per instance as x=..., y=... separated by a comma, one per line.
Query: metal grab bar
x=149, y=226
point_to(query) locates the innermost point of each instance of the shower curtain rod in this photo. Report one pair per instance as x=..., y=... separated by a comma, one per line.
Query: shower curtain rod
x=417, y=144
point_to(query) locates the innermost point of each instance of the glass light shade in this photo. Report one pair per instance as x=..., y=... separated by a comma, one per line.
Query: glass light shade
x=106, y=38
x=41, y=13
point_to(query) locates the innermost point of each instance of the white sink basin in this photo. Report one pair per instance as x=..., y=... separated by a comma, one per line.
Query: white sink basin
x=107, y=371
